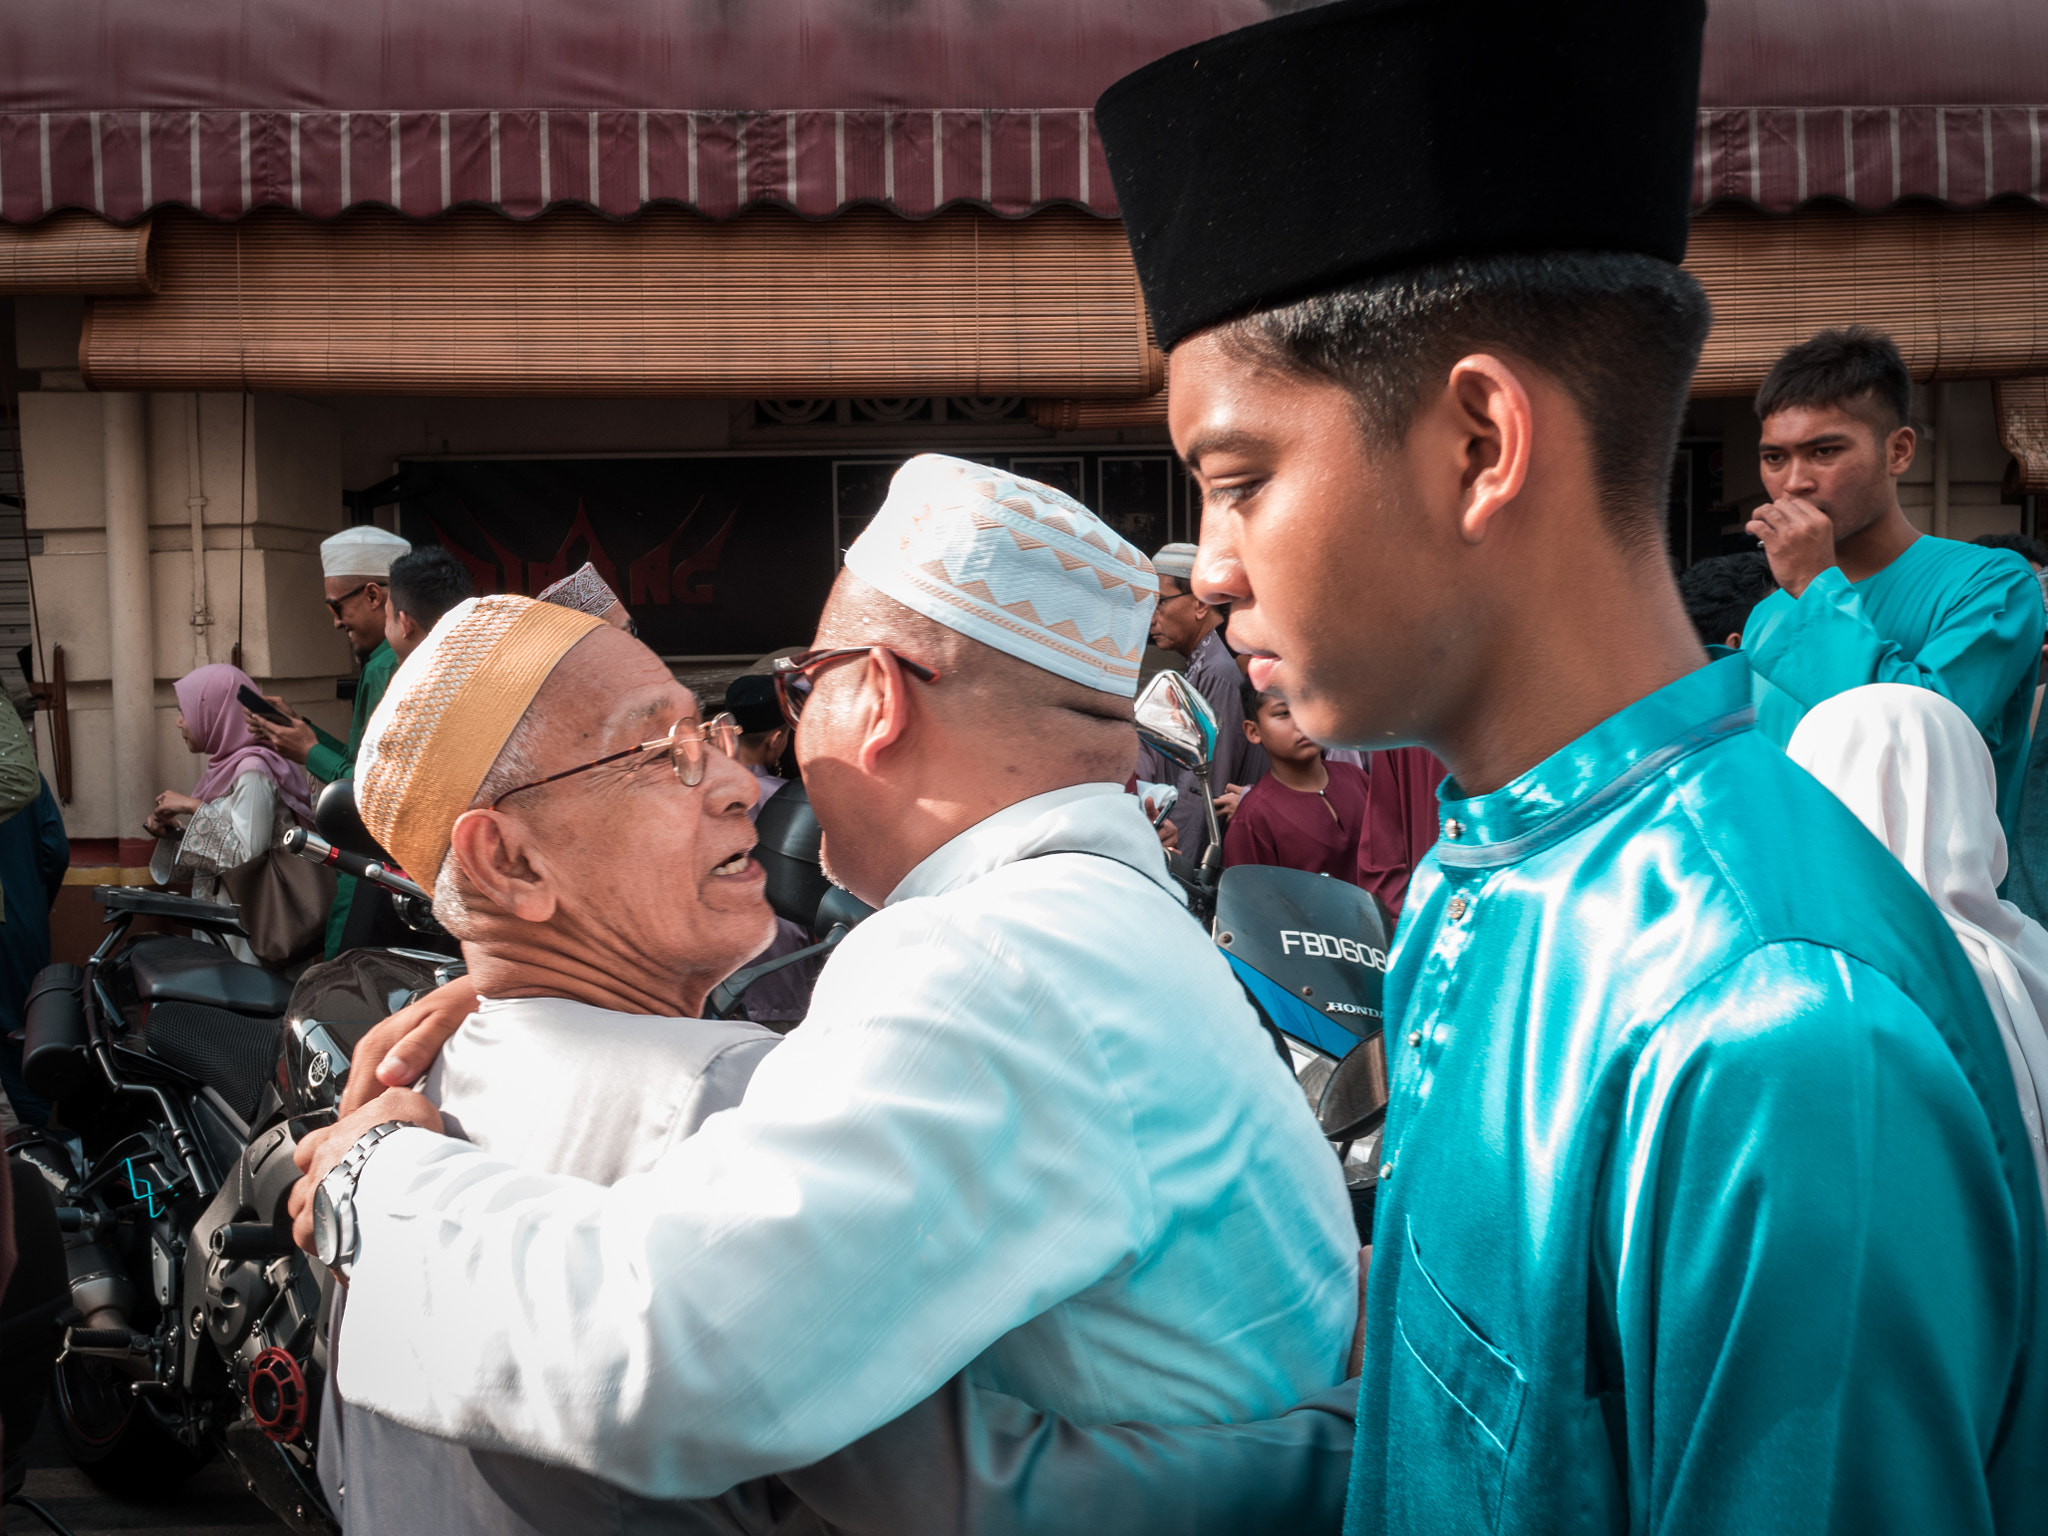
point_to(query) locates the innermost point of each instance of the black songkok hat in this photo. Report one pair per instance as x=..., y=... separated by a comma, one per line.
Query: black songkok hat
x=750, y=700
x=1360, y=138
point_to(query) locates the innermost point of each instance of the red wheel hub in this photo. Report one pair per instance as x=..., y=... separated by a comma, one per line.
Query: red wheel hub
x=277, y=1395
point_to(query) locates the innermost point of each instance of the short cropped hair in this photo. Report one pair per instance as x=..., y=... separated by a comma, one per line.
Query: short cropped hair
x=1252, y=698
x=1622, y=333
x=1720, y=592
x=427, y=583
x=2033, y=551
x=1845, y=367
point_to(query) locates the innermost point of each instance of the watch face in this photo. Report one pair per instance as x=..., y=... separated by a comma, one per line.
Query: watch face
x=326, y=1229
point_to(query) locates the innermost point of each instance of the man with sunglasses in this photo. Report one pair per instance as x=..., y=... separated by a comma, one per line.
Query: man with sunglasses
x=355, y=566
x=1030, y=1130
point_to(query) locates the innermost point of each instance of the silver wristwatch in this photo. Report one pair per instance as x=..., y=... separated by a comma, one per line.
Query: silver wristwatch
x=334, y=1202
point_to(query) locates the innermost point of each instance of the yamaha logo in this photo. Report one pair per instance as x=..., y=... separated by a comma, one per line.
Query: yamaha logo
x=1328, y=946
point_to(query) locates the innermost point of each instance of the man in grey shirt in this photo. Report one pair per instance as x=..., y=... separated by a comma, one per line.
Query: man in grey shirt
x=1183, y=622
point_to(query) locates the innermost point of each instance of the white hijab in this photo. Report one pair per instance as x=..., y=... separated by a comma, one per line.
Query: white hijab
x=1914, y=770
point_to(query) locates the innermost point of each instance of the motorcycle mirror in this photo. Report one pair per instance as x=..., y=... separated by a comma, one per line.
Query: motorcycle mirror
x=1355, y=1099
x=1174, y=718
x=337, y=818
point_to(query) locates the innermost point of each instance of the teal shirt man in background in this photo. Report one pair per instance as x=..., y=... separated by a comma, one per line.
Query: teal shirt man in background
x=1863, y=596
x=355, y=566
x=1703, y=1199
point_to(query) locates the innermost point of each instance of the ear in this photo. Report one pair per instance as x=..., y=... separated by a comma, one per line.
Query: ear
x=884, y=706
x=1899, y=449
x=494, y=855
x=1251, y=732
x=1734, y=640
x=1497, y=425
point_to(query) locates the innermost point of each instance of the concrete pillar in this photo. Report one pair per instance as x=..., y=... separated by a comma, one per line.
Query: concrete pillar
x=131, y=629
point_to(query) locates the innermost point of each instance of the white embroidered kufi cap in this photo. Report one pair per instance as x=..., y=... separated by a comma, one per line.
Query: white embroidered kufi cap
x=584, y=590
x=365, y=551
x=1014, y=564
x=1175, y=560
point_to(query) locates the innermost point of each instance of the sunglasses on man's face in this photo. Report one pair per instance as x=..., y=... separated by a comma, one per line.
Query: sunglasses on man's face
x=794, y=681
x=335, y=603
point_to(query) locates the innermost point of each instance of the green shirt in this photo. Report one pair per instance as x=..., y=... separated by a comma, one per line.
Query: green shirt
x=331, y=760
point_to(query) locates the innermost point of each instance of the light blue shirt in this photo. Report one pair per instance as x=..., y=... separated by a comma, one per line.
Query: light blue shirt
x=1960, y=619
x=1030, y=1127
x=1708, y=1204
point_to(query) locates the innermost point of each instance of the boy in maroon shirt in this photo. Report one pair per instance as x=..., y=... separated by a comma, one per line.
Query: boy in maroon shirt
x=1305, y=813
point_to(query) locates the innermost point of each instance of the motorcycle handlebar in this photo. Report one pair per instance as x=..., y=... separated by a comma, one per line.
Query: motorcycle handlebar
x=310, y=845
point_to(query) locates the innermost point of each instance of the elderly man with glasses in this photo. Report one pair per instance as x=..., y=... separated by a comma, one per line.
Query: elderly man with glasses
x=1031, y=1133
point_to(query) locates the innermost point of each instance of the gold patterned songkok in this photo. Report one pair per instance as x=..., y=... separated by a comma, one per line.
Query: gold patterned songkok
x=448, y=713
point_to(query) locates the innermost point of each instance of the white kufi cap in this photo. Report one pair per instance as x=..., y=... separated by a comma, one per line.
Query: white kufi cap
x=362, y=551
x=1014, y=564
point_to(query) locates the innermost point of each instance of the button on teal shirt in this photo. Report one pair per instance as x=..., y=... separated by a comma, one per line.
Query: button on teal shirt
x=1707, y=1204
x=1960, y=619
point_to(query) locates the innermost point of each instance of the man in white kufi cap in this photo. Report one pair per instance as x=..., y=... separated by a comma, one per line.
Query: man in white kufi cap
x=1030, y=1130
x=354, y=566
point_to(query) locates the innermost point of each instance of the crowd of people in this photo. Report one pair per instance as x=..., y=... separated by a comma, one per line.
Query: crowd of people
x=1712, y=1191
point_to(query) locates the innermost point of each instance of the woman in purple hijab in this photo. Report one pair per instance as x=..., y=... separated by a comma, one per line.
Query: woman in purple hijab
x=246, y=799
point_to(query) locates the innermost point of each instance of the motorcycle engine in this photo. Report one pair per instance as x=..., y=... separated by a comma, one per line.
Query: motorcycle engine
x=249, y=1290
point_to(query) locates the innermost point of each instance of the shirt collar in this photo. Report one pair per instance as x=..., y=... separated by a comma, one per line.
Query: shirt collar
x=1082, y=818
x=1579, y=783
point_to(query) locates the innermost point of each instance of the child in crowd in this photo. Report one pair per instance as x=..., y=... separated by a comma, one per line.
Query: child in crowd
x=1306, y=813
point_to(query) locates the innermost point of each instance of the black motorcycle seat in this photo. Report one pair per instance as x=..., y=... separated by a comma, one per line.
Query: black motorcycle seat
x=167, y=969
x=230, y=1052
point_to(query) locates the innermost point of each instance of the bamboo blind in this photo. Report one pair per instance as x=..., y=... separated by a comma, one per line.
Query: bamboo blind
x=2022, y=409
x=76, y=253
x=667, y=304
x=1086, y=415
x=1965, y=295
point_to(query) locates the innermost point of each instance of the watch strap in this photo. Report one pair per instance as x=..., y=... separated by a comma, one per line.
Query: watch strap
x=340, y=1185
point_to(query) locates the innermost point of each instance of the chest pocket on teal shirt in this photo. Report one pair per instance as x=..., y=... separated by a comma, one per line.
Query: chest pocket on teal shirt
x=1457, y=1403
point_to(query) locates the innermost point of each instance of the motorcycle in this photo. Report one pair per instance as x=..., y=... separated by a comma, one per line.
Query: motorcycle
x=1309, y=952
x=184, y=1080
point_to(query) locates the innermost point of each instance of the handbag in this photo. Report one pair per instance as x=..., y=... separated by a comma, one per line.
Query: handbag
x=285, y=901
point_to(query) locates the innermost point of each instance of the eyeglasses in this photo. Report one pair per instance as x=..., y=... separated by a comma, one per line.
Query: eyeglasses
x=336, y=602
x=684, y=743
x=793, y=679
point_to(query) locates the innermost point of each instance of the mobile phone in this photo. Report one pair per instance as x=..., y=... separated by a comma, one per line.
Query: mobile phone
x=256, y=704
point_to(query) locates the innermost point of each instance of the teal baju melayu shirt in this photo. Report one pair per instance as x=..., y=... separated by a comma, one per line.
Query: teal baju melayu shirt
x=1960, y=619
x=1707, y=1205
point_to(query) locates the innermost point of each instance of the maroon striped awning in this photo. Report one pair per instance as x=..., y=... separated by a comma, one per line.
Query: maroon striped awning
x=120, y=106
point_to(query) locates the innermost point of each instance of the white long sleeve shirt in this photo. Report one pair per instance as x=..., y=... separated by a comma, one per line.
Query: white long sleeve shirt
x=1030, y=1126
